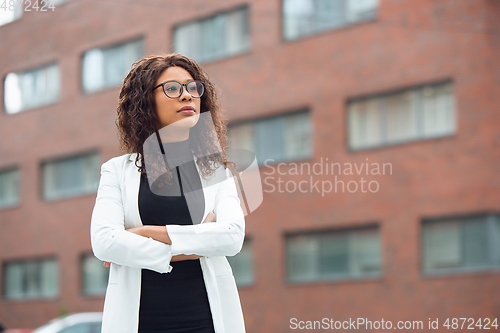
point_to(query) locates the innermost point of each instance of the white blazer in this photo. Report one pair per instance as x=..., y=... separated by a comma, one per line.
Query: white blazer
x=116, y=209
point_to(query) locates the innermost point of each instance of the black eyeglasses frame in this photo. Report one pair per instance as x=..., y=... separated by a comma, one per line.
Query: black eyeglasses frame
x=182, y=88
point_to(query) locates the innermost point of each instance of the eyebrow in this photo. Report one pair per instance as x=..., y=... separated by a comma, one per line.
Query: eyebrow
x=186, y=80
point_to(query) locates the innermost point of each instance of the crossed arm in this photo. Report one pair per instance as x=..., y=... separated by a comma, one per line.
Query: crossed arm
x=160, y=234
x=154, y=247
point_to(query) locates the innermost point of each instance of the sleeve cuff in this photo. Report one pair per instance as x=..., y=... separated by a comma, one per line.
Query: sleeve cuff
x=169, y=267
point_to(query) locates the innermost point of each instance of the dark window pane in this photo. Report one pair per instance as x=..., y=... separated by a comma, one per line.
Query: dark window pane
x=334, y=254
x=269, y=136
x=441, y=244
x=242, y=265
x=302, y=257
x=497, y=239
x=475, y=243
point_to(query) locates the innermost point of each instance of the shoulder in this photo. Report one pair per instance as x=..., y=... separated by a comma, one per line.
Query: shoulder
x=119, y=159
x=118, y=162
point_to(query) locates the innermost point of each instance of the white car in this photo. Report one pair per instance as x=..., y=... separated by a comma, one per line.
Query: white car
x=85, y=322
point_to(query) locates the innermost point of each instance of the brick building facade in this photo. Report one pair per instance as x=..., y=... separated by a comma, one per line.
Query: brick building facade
x=409, y=88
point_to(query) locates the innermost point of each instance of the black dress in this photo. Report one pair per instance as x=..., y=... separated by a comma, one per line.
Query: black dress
x=174, y=302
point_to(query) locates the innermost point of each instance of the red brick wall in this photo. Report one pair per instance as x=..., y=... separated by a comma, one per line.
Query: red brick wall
x=410, y=43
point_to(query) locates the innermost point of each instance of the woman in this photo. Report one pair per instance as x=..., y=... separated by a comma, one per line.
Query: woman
x=164, y=224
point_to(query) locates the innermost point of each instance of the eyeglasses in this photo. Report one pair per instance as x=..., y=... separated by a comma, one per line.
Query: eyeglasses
x=173, y=89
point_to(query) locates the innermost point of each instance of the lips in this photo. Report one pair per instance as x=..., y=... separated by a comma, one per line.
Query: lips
x=186, y=110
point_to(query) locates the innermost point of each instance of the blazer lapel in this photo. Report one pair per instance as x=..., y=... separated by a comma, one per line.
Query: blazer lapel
x=131, y=185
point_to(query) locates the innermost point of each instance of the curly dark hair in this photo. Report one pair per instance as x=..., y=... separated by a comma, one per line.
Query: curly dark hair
x=137, y=118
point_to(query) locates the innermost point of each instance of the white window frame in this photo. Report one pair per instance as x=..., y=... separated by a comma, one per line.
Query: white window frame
x=57, y=2
x=97, y=71
x=32, y=88
x=51, y=170
x=457, y=243
x=308, y=245
x=371, y=121
x=44, y=273
x=303, y=18
x=11, y=187
x=219, y=36
x=293, y=136
x=8, y=16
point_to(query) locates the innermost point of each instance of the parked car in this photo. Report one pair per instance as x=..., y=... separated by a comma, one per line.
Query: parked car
x=85, y=322
x=14, y=330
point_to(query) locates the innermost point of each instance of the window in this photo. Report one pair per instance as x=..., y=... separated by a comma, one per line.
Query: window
x=10, y=11
x=82, y=328
x=215, y=37
x=72, y=176
x=242, y=265
x=306, y=17
x=57, y=2
x=9, y=188
x=460, y=244
x=107, y=67
x=30, y=89
x=95, y=275
x=333, y=254
x=290, y=135
x=31, y=279
x=409, y=115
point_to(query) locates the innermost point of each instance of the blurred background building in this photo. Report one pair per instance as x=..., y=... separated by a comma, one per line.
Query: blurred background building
x=376, y=124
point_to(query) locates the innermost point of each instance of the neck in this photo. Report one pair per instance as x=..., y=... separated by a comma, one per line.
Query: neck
x=173, y=136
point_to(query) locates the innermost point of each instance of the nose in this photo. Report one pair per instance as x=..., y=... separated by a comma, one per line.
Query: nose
x=185, y=94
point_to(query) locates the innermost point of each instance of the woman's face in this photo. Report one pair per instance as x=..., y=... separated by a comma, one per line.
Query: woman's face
x=168, y=109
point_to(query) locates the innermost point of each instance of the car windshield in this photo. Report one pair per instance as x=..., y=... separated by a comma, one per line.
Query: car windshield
x=50, y=327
